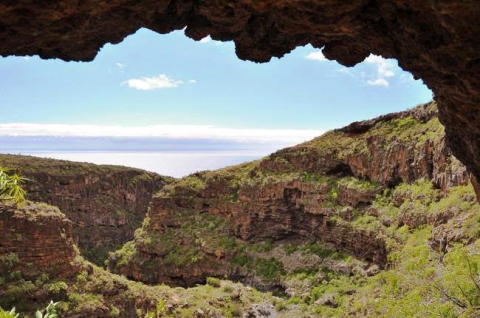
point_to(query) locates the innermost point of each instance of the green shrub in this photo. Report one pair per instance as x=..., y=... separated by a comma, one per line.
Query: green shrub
x=126, y=253
x=280, y=305
x=85, y=302
x=228, y=243
x=16, y=275
x=290, y=249
x=321, y=251
x=269, y=268
x=240, y=260
x=82, y=277
x=214, y=282
x=9, y=260
x=227, y=289
x=160, y=309
x=368, y=222
x=42, y=279
x=57, y=287
x=233, y=311
x=263, y=247
x=114, y=311
x=421, y=190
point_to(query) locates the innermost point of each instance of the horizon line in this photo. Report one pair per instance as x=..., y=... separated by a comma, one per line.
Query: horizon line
x=184, y=132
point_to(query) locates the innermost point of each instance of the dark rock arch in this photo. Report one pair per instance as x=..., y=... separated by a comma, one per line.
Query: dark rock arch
x=436, y=40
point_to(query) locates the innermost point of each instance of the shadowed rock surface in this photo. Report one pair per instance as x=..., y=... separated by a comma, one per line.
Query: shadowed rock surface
x=437, y=41
x=105, y=203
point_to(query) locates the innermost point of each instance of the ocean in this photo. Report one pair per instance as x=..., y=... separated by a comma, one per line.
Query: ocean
x=171, y=163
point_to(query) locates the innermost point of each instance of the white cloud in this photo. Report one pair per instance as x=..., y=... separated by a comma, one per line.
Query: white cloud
x=151, y=83
x=316, y=56
x=384, y=67
x=159, y=131
x=384, y=70
x=192, y=81
x=206, y=39
x=26, y=58
x=120, y=65
x=378, y=82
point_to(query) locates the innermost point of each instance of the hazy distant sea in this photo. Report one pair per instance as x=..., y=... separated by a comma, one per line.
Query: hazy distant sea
x=171, y=163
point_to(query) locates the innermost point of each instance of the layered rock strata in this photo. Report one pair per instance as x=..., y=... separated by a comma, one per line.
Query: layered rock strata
x=35, y=239
x=105, y=203
x=320, y=190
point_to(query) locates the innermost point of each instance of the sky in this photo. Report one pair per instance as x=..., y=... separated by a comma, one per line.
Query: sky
x=156, y=87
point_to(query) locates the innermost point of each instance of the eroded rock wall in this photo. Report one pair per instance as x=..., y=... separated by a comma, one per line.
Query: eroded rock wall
x=274, y=212
x=35, y=239
x=322, y=189
x=39, y=263
x=394, y=148
x=105, y=203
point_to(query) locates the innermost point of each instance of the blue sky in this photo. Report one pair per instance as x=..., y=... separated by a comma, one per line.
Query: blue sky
x=155, y=80
x=292, y=92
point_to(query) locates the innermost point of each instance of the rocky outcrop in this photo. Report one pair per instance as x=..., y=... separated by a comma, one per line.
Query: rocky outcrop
x=273, y=212
x=399, y=147
x=35, y=239
x=39, y=263
x=322, y=189
x=437, y=41
x=105, y=203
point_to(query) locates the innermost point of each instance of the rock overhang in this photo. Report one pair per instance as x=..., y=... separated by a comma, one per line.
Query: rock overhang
x=437, y=41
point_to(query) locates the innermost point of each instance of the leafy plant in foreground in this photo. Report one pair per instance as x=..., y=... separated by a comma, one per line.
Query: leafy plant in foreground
x=50, y=311
x=11, y=187
x=8, y=314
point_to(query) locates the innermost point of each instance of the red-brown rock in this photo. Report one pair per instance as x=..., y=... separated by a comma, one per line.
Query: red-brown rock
x=105, y=203
x=315, y=190
x=35, y=239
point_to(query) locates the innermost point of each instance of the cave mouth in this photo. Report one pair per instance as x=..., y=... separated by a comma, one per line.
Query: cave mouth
x=434, y=41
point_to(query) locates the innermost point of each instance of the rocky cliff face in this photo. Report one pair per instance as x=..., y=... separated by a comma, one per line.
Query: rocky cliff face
x=313, y=224
x=325, y=190
x=35, y=243
x=437, y=41
x=105, y=203
x=35, y=239
x=39, y=263
x=395, y=148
